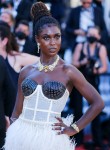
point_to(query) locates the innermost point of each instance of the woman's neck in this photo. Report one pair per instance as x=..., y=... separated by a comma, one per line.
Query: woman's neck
x=47, y=60
x=92, y=45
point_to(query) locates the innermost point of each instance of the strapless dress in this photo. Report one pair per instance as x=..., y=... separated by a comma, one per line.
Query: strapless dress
x=33, y=129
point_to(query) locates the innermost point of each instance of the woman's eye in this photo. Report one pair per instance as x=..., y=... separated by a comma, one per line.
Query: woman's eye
x=58, y=36
x=46, y=38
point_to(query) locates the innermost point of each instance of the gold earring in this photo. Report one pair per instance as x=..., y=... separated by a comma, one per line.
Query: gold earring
x=38, y=47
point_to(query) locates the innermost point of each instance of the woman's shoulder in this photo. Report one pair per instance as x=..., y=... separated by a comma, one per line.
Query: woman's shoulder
x=26, y=70
x=66, y=66
x=70, y=69
x=102, y=48
x=73, y=74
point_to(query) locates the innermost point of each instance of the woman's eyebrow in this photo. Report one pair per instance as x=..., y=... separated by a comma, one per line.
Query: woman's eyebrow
x=50, y=34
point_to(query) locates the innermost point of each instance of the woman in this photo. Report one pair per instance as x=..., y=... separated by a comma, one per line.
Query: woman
x=91, y=59
x=43, y=91
x=14, y=59
x=6, y=99
x=92, y=54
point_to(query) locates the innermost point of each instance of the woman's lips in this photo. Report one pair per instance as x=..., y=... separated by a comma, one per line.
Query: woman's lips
x=52, y=49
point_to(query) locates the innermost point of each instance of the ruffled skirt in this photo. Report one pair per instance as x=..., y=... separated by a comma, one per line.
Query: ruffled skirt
x=24, y=135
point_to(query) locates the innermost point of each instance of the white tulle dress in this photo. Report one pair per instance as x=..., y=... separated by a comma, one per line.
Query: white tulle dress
x=33, y=129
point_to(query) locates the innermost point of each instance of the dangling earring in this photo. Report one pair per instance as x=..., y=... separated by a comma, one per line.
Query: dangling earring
x=38, y=47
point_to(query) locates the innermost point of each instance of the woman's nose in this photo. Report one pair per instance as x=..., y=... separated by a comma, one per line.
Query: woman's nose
x=52, y=41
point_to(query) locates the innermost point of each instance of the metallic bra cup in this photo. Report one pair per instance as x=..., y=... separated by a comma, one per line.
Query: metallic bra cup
x=51, y=89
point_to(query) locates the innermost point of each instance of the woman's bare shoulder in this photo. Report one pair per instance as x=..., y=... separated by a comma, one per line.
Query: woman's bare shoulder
x=25, y=71
x=70, y=69
x=67, y=67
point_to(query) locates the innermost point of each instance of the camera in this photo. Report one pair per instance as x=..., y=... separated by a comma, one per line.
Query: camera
x=94, y=62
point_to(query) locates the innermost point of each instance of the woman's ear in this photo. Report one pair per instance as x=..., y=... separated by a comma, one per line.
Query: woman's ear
x=5, y=41
x=36, y=39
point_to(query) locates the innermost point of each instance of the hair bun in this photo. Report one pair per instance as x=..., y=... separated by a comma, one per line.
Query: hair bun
x=39, y=10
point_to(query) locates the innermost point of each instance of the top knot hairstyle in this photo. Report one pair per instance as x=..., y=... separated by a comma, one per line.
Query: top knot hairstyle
x=41, y=17
x=39, y=10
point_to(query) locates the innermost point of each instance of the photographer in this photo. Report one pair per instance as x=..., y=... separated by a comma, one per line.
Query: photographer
x=91, y=59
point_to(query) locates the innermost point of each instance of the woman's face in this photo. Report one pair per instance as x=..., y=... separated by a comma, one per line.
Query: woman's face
x=93, y=32
x=2, y=43
x=6, y=18
x=49, y=40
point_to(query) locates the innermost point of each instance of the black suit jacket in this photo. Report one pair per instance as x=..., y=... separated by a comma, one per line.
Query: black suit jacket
x=23, y=11
x=73, y=23
x=30, y=47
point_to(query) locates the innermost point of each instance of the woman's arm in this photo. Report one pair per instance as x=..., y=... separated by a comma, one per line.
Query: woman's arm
x=90, y=94
x=76, y=57
x=27, y=59
x=20, y=98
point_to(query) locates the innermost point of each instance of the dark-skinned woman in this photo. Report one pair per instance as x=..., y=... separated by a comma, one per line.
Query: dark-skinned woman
x=43, y=92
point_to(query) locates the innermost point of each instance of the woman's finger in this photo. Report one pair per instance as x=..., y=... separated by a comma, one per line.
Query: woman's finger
x=62, y=131
x=57, y=124
x=59, y=119
x=57, y=128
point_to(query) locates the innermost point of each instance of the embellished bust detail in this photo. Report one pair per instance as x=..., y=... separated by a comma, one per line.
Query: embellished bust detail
x=48, y=67
x=53, y=89
x=28, y=86
x=50, y=89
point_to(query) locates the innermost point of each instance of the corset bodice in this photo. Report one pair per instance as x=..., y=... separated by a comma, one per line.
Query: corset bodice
x=43, y=102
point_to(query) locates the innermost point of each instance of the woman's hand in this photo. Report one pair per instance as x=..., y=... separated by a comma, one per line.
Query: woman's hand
x=7, y=122
x=61, y=128
x=79, y=32
x=84, y=61
x=96, y=71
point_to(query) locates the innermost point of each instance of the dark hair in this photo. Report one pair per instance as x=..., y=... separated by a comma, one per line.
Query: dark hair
x=6, y=33
x=4, y=24
x=7, y=3
x=12, y=43
x=24, y=22
x=41, y=16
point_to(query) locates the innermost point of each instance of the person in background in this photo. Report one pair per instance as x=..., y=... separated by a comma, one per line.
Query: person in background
x=23, y=10
x=14, y=60
x=80, y=18
x=7, y=96
x=7, y=17
x=43, y=92
x=8, y=5
x=78, y=21
x=25, y=42
x=98, y=3
x=58, y=10
x=91, y=59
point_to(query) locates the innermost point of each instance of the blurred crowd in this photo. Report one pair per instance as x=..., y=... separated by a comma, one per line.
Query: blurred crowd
x=85, y=44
